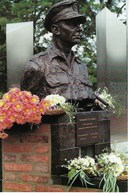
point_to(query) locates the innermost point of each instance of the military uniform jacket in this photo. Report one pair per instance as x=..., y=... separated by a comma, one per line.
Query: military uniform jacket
x=49, y=73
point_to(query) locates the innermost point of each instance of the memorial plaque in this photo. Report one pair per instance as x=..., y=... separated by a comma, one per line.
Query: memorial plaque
x=87, y=129
x=92, y=127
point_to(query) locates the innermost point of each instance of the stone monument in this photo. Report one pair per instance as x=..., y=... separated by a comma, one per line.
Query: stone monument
x=19, y=39
x=112, y=69
x=59, y=71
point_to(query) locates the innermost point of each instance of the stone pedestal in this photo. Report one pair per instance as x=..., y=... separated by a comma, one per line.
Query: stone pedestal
x=89, y=135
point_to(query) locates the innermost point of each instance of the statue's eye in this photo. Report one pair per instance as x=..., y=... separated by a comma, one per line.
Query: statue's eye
x=72, y=22
x=69, y=23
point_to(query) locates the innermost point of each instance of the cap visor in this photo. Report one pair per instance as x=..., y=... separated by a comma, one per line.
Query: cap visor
x=79, y=17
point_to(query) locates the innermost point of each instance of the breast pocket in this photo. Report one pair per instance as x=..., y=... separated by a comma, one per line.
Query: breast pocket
x=57, y=78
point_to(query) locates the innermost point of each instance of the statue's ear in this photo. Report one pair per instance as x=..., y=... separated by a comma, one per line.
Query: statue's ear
x=55, y=29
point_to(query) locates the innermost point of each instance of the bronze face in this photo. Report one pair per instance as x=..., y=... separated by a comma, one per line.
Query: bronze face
x=69, y=31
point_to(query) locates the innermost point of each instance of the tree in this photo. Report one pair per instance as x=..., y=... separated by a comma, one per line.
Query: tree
x=5, y=9
x=35, y=10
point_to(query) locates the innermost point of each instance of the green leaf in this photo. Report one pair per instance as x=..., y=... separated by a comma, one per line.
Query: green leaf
x=84, y=179
x=73, y=178
x=71, y=173
x=109, y=183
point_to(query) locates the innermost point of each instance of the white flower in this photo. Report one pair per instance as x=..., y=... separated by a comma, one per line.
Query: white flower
x=113, y=103
x=55, y=99
x=118, y=170
x=110, y=162
x=86, y=164
x=114, y=159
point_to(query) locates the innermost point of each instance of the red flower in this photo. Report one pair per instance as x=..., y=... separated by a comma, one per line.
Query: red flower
x=20, y=107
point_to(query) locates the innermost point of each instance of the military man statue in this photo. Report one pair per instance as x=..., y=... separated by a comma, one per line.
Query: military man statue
x=57, y=70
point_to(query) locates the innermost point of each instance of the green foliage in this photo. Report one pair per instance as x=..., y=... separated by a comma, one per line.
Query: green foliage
x=70, y=110
x=82, y=169
x=113, y=102
x=73, y=174
x=35, y=10
x=109, y=166
x=110, y=183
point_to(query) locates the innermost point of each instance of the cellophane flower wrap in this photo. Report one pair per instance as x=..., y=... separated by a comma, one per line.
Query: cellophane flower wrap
x=110, y=165
x=81, y=168
x=20, y=107
x=113, y=102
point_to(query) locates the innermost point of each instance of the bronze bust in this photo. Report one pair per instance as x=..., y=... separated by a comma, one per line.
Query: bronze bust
x=57, y=70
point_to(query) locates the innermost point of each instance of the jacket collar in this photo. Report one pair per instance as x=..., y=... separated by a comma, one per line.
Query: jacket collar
x=54, y=52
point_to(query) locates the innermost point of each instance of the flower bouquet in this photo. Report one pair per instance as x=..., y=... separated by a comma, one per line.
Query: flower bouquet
x=111, y=166
x=20, y=107
x=81, y=168
x=113, y=103
x=108, y=167
x=55, y=104
x=58, y=105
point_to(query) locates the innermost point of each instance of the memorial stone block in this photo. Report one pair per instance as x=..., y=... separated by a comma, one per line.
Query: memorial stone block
x=89, y=134
x=19, y=41
x=111, y=39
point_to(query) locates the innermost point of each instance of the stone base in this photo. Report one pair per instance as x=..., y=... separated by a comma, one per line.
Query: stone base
x=89, y=135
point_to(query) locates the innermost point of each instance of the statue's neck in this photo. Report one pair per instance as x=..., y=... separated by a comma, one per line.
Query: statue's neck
x=64, y=47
